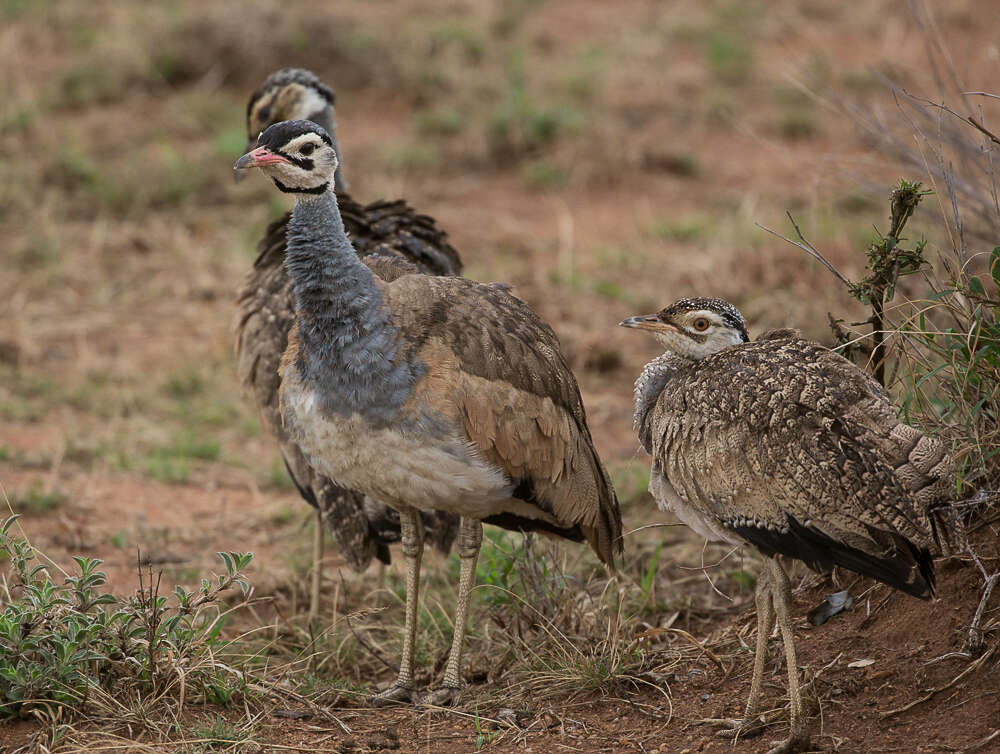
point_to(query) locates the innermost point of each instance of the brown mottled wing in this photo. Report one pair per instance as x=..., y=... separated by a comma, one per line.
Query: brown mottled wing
x=798, y=451
x=393, y=227
x=395, y=240
x=517, y=398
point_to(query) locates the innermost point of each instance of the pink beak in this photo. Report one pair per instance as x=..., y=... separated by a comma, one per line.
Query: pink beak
x=257, y=158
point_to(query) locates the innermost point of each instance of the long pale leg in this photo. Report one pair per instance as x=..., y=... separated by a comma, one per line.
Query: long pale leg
x=765, y=622
x=317, y=565
x=470, y=538
x=749, y=726
x=412, y=530
x=798, y=738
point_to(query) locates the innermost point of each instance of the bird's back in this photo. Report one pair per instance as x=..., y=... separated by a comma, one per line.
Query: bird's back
x=791, y=447
x=396, y=240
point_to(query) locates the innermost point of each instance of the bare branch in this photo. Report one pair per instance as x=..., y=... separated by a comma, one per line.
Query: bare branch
x=808, y=248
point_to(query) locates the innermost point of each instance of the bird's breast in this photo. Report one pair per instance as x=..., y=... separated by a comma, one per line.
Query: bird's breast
x=422, y=461
x=701, y=522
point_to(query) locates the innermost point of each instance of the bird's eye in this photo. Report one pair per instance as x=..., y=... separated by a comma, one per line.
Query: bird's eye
x=307, y=149
x=264, y=113
x=700, y=324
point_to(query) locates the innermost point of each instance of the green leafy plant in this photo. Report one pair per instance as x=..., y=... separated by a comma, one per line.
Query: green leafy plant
x=60, y=644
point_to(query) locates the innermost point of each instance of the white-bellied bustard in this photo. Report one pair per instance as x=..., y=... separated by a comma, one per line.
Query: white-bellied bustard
x=392, y=239
x=784, y=445
x=429, y=393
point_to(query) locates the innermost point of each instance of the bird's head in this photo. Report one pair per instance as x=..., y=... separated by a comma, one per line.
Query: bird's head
x=694, y=328
x=297, y=155
x=288, y=94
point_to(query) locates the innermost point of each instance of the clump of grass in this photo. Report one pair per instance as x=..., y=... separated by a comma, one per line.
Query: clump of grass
x=544, y=175
x=69, y=645
x=727, y=55
x=446, y=121
x=798, y=124
x=217, y=733
x=682, y=231
x=468, y=40
x=520, y=124
x=89, y=83
x=673, y=162
x=413, y=157
x=37, y=501
x=585, y=80
x=171, y=462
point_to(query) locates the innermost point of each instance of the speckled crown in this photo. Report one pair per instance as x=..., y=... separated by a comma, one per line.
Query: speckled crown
x=723, y=308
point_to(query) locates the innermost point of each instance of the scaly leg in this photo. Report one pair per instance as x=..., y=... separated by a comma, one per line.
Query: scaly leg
x=412, y=530
x=317, y=565
x=798, y=737
x=470, y=537
x=750, y=726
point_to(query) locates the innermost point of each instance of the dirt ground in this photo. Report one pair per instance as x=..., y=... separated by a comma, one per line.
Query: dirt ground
x=605, y=161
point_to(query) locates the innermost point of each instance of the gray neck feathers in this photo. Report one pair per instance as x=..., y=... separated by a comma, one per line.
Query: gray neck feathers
x=327, y=120
x=347, y=343
x=648, y=387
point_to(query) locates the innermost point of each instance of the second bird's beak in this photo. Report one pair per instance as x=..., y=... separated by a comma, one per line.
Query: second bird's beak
x=646, y=322
x=255, y=158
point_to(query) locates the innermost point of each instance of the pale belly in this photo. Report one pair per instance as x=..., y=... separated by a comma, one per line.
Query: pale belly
x=396, y=467
x=667, y=499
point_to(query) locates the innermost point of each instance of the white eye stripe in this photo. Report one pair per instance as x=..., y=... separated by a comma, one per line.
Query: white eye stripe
x=299, y=141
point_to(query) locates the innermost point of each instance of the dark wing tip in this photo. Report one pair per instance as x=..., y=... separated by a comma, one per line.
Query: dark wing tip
x=905, y=567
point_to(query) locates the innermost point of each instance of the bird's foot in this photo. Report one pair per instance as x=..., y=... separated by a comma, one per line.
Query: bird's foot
x=397, y=693
x=797, y=741
x=443, y=696
x=740, y=728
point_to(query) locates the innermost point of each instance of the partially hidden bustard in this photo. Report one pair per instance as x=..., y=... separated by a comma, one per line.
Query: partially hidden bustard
x=784, y=445
x=393, y=240
x=429, y=393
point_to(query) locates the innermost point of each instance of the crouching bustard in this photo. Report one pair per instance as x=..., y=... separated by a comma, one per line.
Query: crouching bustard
x=784, y=445
x=429, y=393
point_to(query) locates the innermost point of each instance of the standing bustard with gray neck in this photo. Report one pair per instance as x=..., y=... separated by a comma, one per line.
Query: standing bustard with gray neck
x=430, y=393
x=784, y=445
x=392, y=240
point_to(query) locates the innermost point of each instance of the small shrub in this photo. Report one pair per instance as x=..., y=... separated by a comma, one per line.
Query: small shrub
x=60, y=644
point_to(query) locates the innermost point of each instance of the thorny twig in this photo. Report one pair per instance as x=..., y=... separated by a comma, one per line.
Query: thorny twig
x=807, y=247
x=976, y=635
x=934, y=692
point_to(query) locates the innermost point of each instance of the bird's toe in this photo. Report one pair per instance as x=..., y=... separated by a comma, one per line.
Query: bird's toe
x=740, y=728
x=797, y=741
x=398, y=693
x=443, y=696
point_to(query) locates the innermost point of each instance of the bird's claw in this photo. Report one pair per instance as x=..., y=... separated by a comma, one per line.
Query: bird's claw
x=797, y=741
x=443, y=696
x=397, y=693
x=740, y=728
